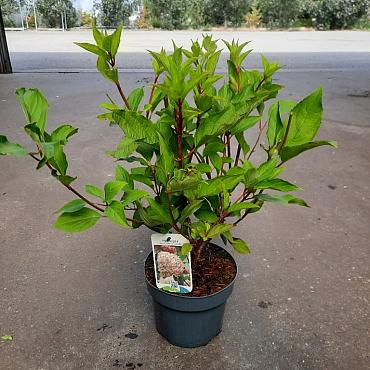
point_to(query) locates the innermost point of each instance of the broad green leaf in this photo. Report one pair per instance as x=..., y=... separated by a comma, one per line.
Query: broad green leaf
x=116, y=39
x=92, y=49
x=62, y=133
x=277, y=184
x=95, y=191
x=135, y=98
x=98, y=36
x=65, y=179
x=124, y=149
x=107, y=72
x=72, y=206
x=218, y=229
x=166, y=161
x=242, y=142
x=123, y=175
x=136, y=126
x=59, y=160
x=266, y=170
x=242, y=205
x=203, y=167
x=34, y=105
x=160, y=210
x=34, y=132
x=112, y=188
x=216, y=161
x=189, y=210
x=133, y=195
x=216, y=185
x=305, y=119
x=290, y=152
x=115, y=212
x=244, y=124
x=284, y=199
x=275, y=124
x=240, y=246
x=186, y=249
x=213, y=125
x=81, y=220
x=11, y=148
x=187, y=183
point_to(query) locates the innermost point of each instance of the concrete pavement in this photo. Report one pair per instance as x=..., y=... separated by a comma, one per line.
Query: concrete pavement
x=70, y=300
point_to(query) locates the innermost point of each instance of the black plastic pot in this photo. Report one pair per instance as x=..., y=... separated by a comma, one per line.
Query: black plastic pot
x=189, y=321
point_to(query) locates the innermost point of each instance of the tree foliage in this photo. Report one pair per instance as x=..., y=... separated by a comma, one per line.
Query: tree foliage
x=51, y=11
x=113, y=12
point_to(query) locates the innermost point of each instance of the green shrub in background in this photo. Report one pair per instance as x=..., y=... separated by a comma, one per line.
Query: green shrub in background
x=339, y=14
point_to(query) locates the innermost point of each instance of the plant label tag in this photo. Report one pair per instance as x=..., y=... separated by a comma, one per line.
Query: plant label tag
x=172, y=268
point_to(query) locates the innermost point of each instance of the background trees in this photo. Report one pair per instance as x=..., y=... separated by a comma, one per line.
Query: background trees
x=179, y=14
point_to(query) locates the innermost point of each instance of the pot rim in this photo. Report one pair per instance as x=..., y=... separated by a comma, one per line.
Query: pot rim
x=184, y=296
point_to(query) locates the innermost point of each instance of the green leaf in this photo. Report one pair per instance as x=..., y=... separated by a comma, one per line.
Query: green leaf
x=34, y=132
x=92, y=49
x=133, y=195
x=72, y=206
x=240, y=246
x=290, y=152
x=136, y=126
x=244, y=124
x=34, y=105
x=216, y=161
x=186, y=249
x=62, y=133
x=243, y=144
x=166, y=161
x=77, y=221
x=160, y=211
x=242, y=205
x=266, y=170
x=214, y=125
x=112, y=188
x=11, y=148
x=277, y=184
x=203, y=167
x=59, y=160
x=123, y=175
x=124, y=149
x=7, y=338
x=115, y=212
x=65, y=179
x=98, y=36
x=104, y=68
x=218, y=229
x=116, y=39
x=284, y=199
x=275, y=124
x=135, y=98
x=95, y=191
x=189, y=210
x=305, y=120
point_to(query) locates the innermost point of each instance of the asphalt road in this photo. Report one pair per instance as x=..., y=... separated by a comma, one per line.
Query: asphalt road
x=69, y=300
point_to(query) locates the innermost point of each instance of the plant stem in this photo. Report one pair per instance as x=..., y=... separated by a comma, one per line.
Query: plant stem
x=286, y=133
x=258, y=139
x=123, y=95
x=151, y=94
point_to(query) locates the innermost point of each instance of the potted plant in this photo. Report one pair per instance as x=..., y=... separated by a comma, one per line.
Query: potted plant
x=190, y=164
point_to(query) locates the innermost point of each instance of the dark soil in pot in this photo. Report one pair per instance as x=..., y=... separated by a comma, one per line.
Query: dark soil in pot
x=212, y=272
